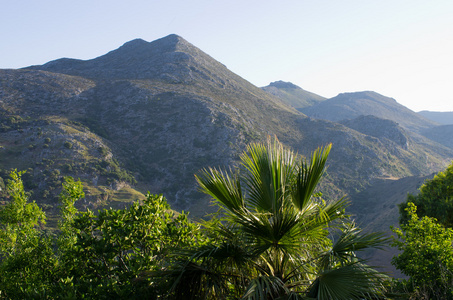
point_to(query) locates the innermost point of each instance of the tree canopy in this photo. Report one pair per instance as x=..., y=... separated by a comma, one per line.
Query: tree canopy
x=435, y=199
x=426, y=238
x=103, y=255
x=426, y=256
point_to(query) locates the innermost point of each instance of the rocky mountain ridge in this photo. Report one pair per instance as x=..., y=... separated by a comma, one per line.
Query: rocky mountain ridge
x=352, y=105
x=149, y=115
x=444, y=118
x=153, y=114
x=292, y=94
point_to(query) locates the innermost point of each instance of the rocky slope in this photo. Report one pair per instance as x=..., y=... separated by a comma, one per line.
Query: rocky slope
x=293, y=95
x=352, y=105
x=441, y=134
x=384, y=130
x=151, y=114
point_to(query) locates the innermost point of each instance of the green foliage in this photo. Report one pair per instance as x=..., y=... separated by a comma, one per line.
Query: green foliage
x=18, y=218
x=25, y=263
x=434, y=200
x=103, y=151
x=30, y=272
x=426, y=238
x=112, y=170
x=108, y=255
x=426, y=257
x=72, y=191
x=273, y=241
x=68, y=144
x=11, y=122
x=116, y=247
x=276, y=237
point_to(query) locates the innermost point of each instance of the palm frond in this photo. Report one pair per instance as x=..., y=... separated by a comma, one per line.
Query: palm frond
x=308, y=177
x=333, y=210
x=351, y=240
x=268, y=171
x=222, y=187
x=352, y=281
x=265, y=287
x=232, y=255
x=194, y=281
x=269, y=228
x=273, y=242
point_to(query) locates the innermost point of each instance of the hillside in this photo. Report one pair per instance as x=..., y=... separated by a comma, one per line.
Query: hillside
x=376, y=209
x=293, y=95
x=441, y=117
x=167, y=127
x=352, y=105
x=440, y=134
x=149, y=115
x=383, y=129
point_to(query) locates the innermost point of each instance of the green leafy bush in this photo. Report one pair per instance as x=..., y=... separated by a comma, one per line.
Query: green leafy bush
x=109, y=255
x=68, y=145
x=426, y=256
x=434, y=200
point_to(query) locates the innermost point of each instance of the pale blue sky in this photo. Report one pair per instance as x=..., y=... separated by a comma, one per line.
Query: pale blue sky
x=401, y=49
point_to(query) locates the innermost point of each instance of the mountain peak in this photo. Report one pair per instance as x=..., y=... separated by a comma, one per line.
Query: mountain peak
x=135, y=43
x=292, y=94
x=172, y=38
x=370, y=95
x=129, y=47
x=170, y=58
x=139, y=47
x=169, y=41
x=284, y=85
x=348, y=106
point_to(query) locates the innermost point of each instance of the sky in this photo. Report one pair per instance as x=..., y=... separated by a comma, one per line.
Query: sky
x=400, y=49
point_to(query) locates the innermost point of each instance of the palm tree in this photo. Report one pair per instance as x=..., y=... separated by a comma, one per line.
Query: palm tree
x=274, y=239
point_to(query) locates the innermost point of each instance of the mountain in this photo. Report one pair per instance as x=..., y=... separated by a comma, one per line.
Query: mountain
x=351, y=105
x=178, y=111
x=149, y=115
x=444, y=117
x=376, y=209
x=170, y=59
x=441, y=134
x=292, y=95
x=383, y=129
